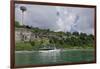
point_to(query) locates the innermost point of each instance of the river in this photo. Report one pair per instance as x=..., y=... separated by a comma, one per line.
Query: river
x=52, y=57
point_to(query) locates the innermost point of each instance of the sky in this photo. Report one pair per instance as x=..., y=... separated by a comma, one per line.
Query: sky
x=57, y=18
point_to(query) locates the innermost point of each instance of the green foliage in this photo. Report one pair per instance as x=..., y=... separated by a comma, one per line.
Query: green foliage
x=75, y=33
x=23, y=46
x=59, y=39
x=17, y=24
x=32, y=43
x=68, y=33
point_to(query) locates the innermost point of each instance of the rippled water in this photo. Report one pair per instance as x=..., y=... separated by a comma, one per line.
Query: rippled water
x=52, y=57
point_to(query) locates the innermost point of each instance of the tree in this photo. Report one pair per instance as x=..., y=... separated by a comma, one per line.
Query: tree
x=68, y=33
x=76, y=33
x=48, y=30
x=91, y=36
x=83, y=36
x=83, y=39
x=90, y=39
x=28, y=27
x=32, y=43
x=17, y=24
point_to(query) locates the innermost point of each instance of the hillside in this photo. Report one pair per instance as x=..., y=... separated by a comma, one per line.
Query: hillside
x=37, y=37
x=30, y=38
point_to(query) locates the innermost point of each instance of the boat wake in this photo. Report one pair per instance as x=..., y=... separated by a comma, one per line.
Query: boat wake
x=45, y=51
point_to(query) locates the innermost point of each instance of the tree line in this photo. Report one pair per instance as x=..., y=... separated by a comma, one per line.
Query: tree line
x=60, y=39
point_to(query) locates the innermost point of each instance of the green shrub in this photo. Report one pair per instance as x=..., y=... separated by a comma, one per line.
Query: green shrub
x=23, y=46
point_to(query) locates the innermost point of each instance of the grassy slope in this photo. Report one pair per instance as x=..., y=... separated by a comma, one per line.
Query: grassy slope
x=28, y=47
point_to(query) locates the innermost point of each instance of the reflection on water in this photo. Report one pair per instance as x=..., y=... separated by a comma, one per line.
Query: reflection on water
x=52, y=57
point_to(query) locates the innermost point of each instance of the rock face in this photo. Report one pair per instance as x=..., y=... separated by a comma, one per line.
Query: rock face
x=25, y=34
x=22, y=34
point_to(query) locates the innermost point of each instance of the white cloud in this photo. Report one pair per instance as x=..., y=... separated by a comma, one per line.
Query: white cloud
x=58, y=18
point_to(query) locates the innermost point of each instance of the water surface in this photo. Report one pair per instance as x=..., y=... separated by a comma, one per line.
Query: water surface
x=52, y=57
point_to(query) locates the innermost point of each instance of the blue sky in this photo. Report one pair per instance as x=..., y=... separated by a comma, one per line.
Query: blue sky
x=69, y=19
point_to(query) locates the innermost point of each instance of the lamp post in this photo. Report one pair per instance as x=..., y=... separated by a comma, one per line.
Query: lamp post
x=23, y=9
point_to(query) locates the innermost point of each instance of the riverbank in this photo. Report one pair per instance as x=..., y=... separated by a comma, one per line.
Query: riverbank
x=25, y=51
x=78, y=49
